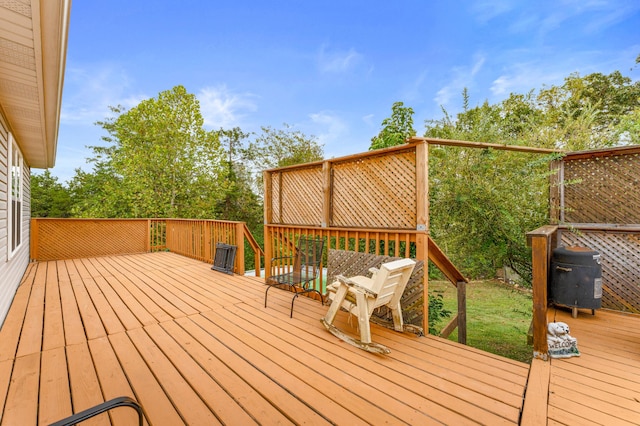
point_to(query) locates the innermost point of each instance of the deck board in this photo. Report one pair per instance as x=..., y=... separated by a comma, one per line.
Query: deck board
x=55, y=397
x=602, y=385
x=195, y=346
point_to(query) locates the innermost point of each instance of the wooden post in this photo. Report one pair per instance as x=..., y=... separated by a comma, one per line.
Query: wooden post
x=461, y=287
x=422, y=222
x=268, y=250
x=327, y=189
x=34, y=239
x=268, y=219
x=268, y=198
x=208, y=244
x=239, y=264
x=539, y=241
x=554, y=191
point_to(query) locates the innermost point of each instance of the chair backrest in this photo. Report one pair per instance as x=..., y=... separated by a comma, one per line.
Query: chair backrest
x=308, y=256
x=391, y=280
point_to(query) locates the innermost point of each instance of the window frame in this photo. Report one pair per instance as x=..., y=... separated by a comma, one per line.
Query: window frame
x=15, y=197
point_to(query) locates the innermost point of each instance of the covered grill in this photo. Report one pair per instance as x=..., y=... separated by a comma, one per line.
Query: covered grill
x=576, y=278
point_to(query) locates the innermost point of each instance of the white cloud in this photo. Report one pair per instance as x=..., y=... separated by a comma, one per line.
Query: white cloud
x=462, y=77
x=222, y=108
x=595, y=16
x=329, y=128
x=552, y=69
x=91, y=89
x=368, y=119
x=520, y=77
x=486, y=10
x=337, y=61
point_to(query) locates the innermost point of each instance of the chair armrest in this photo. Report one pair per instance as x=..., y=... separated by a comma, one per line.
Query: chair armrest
x=374, y=272
x=355, y=285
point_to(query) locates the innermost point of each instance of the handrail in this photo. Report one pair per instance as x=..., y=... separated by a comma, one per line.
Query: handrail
x=122, y=401
x=69, y=238
x=197, y=239
x=257, y=250
x=388, y=242
x=437, y=256
x=459, y=281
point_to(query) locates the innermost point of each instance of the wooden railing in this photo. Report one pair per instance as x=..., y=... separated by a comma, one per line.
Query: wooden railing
x=280, y=240
x=542, y=241
x=55, y=239
x=455, y=277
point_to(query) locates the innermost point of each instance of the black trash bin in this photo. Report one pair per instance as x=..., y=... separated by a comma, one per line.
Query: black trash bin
x=576, y=278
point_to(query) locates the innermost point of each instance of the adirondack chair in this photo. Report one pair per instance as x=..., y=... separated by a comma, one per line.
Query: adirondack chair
x=298, y=272
x=360, y=295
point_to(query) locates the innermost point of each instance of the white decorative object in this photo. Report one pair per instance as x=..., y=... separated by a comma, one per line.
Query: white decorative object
x=561, y=344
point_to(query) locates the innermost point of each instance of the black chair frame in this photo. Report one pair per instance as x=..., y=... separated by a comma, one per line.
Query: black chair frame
x=123, y=401
x=299, y=271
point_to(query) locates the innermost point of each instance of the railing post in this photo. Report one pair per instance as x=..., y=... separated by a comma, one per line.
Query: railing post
x=34, y=239
x=208, y=246
x=148, y=245
x=240, y=250
x=268, y=250
x=539, y=241
x=422, y=219
x=327, y=189
x=461, y=287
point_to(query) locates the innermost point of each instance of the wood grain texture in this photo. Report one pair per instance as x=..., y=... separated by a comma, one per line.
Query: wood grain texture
x=197, y=347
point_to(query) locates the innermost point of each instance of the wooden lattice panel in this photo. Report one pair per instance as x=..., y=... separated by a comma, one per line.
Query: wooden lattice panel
x=350, y=263
x=275, y=197
x=608, y=191
x=620, y=257
x=376, y=192
x=72, y=239
x=301, y=197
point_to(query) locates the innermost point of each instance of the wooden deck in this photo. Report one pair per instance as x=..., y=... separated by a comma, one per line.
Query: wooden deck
x=197, y=347
x=601, y=386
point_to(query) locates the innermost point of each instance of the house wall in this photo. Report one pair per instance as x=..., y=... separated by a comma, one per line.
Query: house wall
x=11, y=270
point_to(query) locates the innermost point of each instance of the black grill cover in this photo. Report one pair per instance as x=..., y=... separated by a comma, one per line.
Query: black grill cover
x=576, y=278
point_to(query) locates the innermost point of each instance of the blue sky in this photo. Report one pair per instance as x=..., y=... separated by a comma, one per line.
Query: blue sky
x=331, y=69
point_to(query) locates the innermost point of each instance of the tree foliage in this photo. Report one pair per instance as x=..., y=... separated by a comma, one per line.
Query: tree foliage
x=482, y=202
x=285, y=147
x=395, y=129
x=159, y=162
x=49, y=198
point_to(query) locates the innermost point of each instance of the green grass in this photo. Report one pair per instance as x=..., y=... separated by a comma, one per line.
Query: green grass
x=498, y=317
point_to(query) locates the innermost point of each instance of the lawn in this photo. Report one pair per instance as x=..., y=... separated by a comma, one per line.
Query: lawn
x=498, y=317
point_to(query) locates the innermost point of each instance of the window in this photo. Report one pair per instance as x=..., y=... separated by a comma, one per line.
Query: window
x=15, y=194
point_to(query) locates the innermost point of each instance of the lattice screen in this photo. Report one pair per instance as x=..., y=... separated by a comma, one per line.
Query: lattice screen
x=376, y=192
x=366, y=191
x=297, y=196
x=609, y=191
x=72, y=239
x=620, y=256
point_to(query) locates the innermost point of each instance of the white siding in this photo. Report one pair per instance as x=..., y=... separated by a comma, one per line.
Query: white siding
x=11, y=271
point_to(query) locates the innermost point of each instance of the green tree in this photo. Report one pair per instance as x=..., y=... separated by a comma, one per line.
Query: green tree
x=285, y=147
x=49, y=198
x=159, y=162
x=483, y=201
x=627, y=131
x=395, y=129
x=589, y=108
x=238, y=201
x=242, y=195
